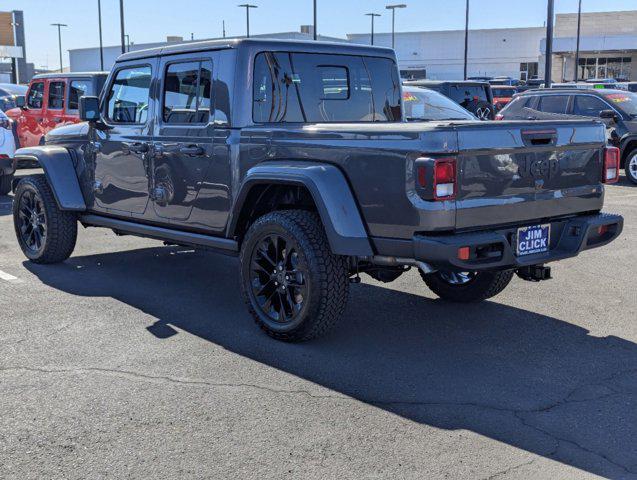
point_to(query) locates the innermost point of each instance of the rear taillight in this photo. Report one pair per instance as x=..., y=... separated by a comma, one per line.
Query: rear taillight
x=436, y=178
x=610, y=174
x=445, y=179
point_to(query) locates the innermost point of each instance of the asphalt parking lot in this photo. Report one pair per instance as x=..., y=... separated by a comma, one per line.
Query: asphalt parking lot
x=133, y=359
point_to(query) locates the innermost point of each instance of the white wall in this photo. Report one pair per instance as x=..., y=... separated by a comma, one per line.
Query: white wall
x=492, y=52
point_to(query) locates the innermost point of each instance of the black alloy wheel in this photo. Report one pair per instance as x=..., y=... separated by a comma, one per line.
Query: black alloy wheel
x=32, y=224
x=278, y=279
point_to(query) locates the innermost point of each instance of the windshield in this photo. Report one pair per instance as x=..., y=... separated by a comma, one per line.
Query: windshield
x=502, y=92
x=426, y=105
x=625, y=101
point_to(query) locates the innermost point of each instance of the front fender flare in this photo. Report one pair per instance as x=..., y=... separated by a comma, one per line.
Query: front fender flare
x=331, y=193
x=59, y=170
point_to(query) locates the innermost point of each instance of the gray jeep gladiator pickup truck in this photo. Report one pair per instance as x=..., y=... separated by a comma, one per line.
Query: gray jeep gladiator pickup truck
x=296, y=157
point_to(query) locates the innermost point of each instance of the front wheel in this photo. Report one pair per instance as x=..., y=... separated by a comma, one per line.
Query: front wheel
x=467, y=287
x=296, y=289
x=631, y=166
x=45, y=233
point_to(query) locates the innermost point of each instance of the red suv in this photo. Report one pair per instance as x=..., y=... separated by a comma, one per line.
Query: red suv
x=51, y=101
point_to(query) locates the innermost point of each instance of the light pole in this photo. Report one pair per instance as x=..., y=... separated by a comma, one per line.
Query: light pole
x=99, y=21
x=466, y=40
x=579, y=30
x=373, y=15
x=548, y=66
x=59, y=26
x=121, y=24
x=247, y=6
x=393, y=21
x=315, y=32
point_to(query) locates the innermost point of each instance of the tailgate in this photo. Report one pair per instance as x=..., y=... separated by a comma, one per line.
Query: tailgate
x=515, y=172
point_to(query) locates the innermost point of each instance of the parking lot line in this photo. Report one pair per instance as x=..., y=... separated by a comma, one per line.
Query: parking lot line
x=7, y=277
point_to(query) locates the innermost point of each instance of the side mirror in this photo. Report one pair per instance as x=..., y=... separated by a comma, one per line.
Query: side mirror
x=608, y=115
x=89, y=109
x=20, y=101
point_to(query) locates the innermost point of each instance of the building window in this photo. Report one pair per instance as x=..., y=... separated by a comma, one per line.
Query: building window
x=618, y=68
x=528, y=70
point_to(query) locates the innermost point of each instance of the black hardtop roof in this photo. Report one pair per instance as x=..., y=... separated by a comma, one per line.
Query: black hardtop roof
x=263, y=44
x=68, y=75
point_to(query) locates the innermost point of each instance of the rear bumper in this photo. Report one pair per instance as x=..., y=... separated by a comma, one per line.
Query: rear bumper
x=495, y=249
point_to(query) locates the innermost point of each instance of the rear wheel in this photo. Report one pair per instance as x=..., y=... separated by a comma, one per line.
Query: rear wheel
x=45, y=233
x=467, y=287
x=5, y=184
x=295, y=287
x=631, y=166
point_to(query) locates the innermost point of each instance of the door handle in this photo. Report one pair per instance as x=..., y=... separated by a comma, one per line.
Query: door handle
x=192, y=150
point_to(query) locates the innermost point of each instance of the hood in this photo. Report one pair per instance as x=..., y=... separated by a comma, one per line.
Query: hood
x=75, y=131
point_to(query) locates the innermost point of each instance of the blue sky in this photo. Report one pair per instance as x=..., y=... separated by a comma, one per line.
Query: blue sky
x=152, y=20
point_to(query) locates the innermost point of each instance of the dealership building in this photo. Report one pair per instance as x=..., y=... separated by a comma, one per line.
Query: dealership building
x=608, y=49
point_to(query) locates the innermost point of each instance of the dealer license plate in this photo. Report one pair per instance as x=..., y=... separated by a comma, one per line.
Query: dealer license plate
x=532, y=240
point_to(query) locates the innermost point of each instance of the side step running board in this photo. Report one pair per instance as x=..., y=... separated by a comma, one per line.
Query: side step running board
x=178, y=237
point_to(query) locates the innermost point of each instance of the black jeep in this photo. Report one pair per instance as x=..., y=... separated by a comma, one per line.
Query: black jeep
x=296, y=157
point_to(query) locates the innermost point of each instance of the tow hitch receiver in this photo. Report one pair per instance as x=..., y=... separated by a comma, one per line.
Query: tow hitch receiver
x=534, y=273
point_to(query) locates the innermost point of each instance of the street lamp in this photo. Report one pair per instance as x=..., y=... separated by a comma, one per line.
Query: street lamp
x=373, y=15
x=315, y=33
x=59, y=26
x=121, y=24
x=247, y=6
x=579, y=30
x=548, y=66
x=466, y=40
x=99, y=20
x=393, y=21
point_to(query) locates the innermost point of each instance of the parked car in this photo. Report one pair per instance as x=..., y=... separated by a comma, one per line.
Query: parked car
x=10, y=94
x=629, y=86
x=471, y=95
x=512, y=82
x=7, y=151
x=531, y=84
x=52, y=100
x=617, y=108
x=425, y=105
x=502, y=95
x=296, y=157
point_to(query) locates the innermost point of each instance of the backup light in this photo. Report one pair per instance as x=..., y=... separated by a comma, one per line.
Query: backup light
x=445, y=179
x=610, y=173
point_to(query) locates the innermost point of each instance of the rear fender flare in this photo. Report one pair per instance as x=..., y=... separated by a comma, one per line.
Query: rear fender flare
x=59, y=170
x=331, y=193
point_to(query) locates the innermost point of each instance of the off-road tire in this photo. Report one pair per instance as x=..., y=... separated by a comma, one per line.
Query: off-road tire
x=485, y=285
x=61, y=226
x=327, y=275
x=631, y=157
x=5, y=184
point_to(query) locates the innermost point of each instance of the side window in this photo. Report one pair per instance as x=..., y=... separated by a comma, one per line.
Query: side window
x=187, y=92
x=386, y=89
x=276, y=96
x=36, y=95
x=554, y=103
x=56, y=95
x=128, y=95
x=334, y=82
x=589, y=106
x=77, y=89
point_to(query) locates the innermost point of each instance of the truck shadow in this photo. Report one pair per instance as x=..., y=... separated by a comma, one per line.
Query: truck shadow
x=531, y=381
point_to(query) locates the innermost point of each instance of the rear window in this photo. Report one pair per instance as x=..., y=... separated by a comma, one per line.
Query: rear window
x=421, y=104
x=625, y=101
x=466, y=94
x=503, y=92
x=187, y=92
x=554, y=104
x=316, y=88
